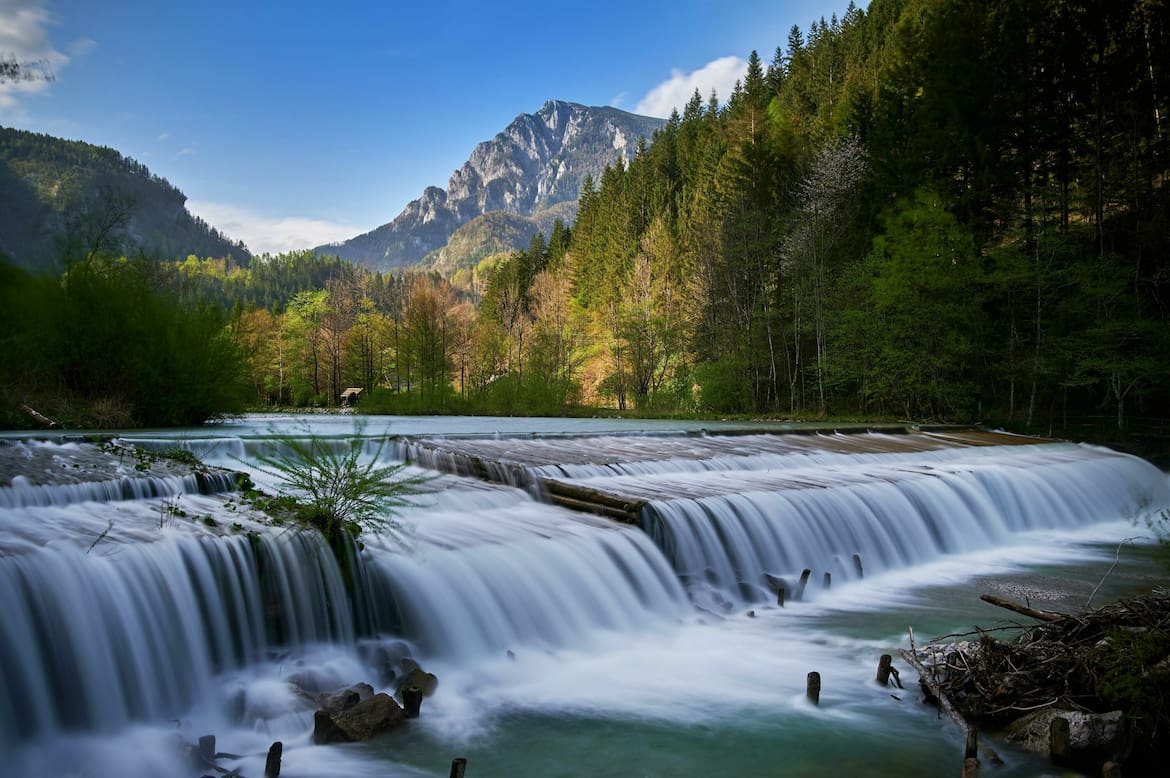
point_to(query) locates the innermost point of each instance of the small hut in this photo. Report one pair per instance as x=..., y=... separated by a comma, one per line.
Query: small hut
x=350, y=396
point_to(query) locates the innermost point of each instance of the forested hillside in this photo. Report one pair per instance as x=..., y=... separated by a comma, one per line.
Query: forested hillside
x=62, y=201
x=929, y=209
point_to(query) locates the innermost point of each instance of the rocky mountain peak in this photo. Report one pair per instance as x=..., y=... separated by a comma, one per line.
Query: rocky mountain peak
x=538, y=161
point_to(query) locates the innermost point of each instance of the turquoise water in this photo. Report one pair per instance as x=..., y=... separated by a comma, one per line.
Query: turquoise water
x=564, y=646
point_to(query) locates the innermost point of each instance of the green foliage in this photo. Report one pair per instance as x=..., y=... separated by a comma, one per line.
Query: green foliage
x=1131, y=675
x=108, y=346
x=342, y=490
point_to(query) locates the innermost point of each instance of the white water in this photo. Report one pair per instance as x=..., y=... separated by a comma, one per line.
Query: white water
x=527, y=613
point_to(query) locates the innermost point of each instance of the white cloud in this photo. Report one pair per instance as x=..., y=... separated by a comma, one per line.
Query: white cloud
x=618, y=99
x=272, y=234
x=720, y=75
x=24, y=39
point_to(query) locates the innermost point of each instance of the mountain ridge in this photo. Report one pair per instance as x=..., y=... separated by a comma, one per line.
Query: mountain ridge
x=536, y=163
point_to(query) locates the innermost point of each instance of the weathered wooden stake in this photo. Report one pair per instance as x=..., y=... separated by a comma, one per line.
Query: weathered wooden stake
x=1111, y=770
x=458, y=765
x=828, y=580
x=972, y=749
x=885, y=664
x=272, y=764
x=857, y=566
x=412, y=701
x=1059, y=739
x=970, y=767
x=803, y=582
x=812, y=688
x=207, y=748
x=780, y=596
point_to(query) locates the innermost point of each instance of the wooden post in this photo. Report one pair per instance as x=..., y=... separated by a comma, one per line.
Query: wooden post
x=272, y=764
x=412, y=701
x=972, y=749
x=1059, y=739
x=780, y=595
x=803, y=582
x=812, y=688
x=970, y=767
x=207, y=748
x=828, y=581
x=1111, y=770
x=458, y=765
x=885, y=664
x=857, y=566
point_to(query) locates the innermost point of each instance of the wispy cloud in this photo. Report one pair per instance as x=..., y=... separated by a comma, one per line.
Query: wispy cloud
x=618, y=99
x=187, y=151
x=24, y=39
x=264, y=233
x=82, y=47
x=163, y=135
x=720, y=75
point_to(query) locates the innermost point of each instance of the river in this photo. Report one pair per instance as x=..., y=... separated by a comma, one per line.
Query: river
x=564, y=644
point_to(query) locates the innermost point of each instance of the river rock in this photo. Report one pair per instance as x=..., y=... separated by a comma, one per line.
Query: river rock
x=1093, y=737
x=371, y=717
x=425, y=681
x=338, y=701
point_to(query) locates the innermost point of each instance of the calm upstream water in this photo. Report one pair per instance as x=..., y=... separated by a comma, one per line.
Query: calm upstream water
x=565, y=645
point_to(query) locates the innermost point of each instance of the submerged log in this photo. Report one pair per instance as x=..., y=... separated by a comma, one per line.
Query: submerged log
x=812, y=688
x=885, y=664
x=804, y=576
x=272, y=763
x=412, y=701
x=207, y=748
x=594, y=501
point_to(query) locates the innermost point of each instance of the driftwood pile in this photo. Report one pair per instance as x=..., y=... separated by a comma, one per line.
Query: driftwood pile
x=1108, y=667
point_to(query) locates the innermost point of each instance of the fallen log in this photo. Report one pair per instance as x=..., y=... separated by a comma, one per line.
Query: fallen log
x=1024, y=610
x=39, y=417
x=935, y=693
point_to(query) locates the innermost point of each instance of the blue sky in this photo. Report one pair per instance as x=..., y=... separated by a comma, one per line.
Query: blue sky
x=290, y=123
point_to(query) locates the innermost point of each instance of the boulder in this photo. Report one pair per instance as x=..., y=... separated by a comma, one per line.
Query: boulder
x=338, y=701
x=1093, y=737
x=369, y=718
x=426, y=682
x=343, y=699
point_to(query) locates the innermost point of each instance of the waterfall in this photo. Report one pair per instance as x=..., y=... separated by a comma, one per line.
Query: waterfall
x=117, y=612
x=137, y=633
x=757, y=525
x=480, y=580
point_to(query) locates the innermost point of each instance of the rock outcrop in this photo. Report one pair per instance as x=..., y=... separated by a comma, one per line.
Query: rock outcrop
x=539, y=161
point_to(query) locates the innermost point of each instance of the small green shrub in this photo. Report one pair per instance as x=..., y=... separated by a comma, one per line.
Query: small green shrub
x=340, y=491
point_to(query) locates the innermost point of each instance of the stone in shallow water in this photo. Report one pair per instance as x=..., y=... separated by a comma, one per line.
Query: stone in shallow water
x=369, y=718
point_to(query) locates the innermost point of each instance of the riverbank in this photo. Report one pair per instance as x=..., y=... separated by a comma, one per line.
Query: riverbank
x=1089, y=689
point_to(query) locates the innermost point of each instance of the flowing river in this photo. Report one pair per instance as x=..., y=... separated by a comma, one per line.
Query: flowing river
x=140, y=611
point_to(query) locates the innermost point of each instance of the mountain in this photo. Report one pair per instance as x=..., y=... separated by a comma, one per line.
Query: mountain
x=495, y=232
x=536, y=164
x=61, y=196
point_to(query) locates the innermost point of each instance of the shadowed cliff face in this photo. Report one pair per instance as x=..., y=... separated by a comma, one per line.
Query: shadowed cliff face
x=537, y=162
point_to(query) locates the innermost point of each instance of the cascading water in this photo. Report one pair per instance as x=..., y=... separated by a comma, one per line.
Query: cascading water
x=886, y=515
x=121, y=616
